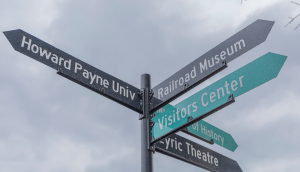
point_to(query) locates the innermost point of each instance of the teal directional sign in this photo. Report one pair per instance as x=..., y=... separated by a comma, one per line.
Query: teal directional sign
x=207, y=131
x=173, y=118
x=188, y=151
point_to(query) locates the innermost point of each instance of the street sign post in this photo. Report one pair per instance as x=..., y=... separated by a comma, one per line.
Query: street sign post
x=75, y=69
x=196, y=107
x=204, y=130
x=182, y=115
x=188, y=151
x=210, y=63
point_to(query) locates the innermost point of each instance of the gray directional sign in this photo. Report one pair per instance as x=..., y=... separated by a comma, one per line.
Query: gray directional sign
x=183, y=149
x=75, y=69
x=210, y=63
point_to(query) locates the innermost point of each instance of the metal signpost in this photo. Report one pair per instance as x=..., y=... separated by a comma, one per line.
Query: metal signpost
x=146, y=153
x=210, y=63
x=188, y=151
x=204, y=130
x=175, y=118
x=200, y=105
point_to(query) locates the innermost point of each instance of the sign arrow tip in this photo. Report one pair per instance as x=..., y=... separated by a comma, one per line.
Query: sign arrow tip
x=12, y=36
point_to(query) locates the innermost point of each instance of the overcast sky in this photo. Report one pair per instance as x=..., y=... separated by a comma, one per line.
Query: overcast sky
x=48, y=123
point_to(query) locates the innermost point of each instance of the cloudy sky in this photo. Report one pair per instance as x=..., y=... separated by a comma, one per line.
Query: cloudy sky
x=48, y=123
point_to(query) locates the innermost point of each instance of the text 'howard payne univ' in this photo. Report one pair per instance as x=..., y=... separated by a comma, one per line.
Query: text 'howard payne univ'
x=204, y=65
x=74, y=69
x=77, y=68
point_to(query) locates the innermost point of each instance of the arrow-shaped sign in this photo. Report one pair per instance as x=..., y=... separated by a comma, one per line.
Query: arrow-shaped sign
x=210, y=63
x=185, y=150
x=202, y=129
x=75, y=69
x=208, y=133
x=192, y=109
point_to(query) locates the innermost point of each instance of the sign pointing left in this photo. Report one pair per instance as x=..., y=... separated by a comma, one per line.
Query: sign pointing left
x=75, y=69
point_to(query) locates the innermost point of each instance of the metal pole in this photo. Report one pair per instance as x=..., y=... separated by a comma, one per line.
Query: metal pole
x=146, y=154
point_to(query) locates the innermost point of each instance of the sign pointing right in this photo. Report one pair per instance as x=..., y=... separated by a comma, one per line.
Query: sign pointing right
x=202, y=129
x=196, y=107
x=207, y=132
x=210, y=63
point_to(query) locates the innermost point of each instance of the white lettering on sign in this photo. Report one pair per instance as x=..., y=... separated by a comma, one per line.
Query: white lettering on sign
x=220, y=92
x=165, y=121
x=216, y=59
x=190, y=150
x=169, y=118
x=209, y=133
x=78, y=69
x=203, y=66
x=177, y=83
x=197, y=153
x=55, y=59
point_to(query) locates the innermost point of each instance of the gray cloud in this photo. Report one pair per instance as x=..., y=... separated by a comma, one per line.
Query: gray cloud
x=51, y=124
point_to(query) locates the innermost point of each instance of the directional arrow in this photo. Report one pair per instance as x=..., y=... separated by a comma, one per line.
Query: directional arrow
x=185, y=150
x=207, y=131
x=210, y=63
x=75, y=69
x=195, y=107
